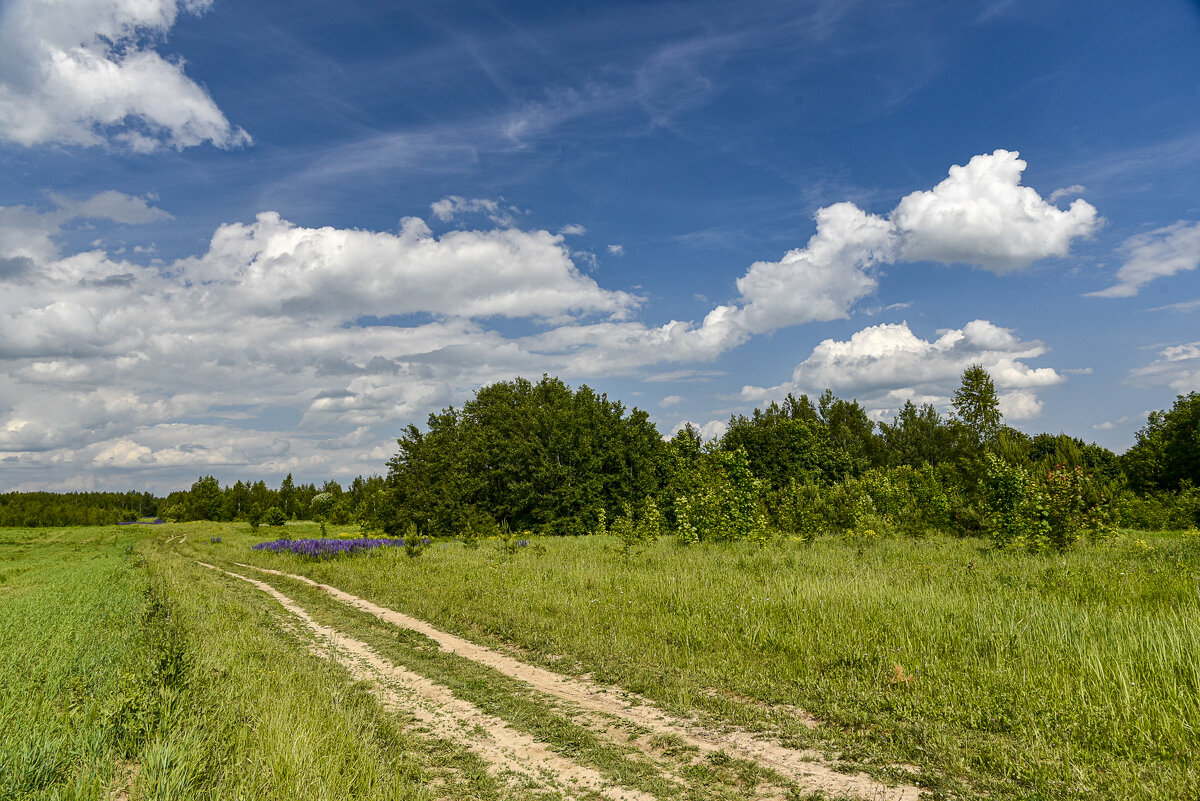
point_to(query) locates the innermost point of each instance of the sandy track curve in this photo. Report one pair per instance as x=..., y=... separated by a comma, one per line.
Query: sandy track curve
x=448, y=717
x=806, y=768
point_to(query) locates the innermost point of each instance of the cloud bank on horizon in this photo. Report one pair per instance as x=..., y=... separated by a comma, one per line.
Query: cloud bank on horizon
x=273, y=312
x=283, y=346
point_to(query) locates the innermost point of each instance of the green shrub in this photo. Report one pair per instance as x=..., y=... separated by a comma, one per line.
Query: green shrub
x=509, y=540
x=274, y=517
x=848, y=505
x=414, y=546
x=469, y=536
x=601, y=527
x=1054, y=512
x=624, y=529
x=723, y=502
x=761, y=532
x=650, y=522
x=802, y=510
x=636, y=531
x=1160, y=511
x=1011, y=504
x=1073, y=505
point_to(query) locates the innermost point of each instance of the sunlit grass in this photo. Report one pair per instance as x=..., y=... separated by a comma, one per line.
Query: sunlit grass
x=127, y=667
x=130, y=670
x=1032, y=676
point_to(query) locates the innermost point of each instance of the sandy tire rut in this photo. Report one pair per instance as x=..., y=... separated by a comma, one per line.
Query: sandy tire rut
x=507, y=749
x=448, y=717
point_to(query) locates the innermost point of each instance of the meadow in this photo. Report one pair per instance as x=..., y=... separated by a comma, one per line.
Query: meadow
x=131, y=673
x=945, y=663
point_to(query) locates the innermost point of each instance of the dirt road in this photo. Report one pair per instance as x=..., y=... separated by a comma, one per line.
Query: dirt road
x=608, y=713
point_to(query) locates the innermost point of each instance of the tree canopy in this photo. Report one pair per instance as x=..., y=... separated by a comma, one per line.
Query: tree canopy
x=547, y=458
x=976, y=404
x=1166, y=454
x=535, y=456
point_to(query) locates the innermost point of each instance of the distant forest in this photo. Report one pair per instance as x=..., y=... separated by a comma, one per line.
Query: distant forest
x=544, y=458
x=205, y=500
x=31, y=509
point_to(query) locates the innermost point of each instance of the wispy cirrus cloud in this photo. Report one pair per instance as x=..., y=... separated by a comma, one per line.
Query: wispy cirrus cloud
x=1156, y=254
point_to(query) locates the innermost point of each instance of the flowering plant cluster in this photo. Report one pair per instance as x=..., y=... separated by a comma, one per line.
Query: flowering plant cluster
x=329, y=547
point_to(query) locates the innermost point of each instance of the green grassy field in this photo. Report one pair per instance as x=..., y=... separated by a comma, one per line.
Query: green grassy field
x=131, y=673
x=972, y=672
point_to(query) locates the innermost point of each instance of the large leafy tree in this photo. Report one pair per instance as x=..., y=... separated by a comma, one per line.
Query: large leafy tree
x=786, y=442
x=537, y=456
x=205, y=501
x=1167, y=451
x=851, y=432
x=918, y=436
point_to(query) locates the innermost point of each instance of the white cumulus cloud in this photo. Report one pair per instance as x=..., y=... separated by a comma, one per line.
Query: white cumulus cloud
x=981, y=215
x=277, y=266
x=81, y=72
x=885, y=365
x=822, y=280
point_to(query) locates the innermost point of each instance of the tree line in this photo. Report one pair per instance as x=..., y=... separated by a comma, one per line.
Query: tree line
x=543, y=457
x=206, y=499
x=548, y=459
x=32, y=509
x=256, y=502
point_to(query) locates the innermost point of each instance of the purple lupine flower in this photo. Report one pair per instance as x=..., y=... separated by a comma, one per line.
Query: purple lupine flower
x=327, y=548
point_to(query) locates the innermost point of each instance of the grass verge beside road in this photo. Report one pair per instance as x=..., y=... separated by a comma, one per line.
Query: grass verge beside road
x=999, y=673
x=129, y=672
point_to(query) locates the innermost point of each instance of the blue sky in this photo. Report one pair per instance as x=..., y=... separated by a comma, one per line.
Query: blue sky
x=255, y=238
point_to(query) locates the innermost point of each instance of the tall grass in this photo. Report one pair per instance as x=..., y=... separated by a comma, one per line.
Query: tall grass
x=127, y=668
x=1031, y=676
x=67, y=632
x=127, y=671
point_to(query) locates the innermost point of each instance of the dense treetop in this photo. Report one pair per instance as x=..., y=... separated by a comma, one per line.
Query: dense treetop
x=531, y=455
